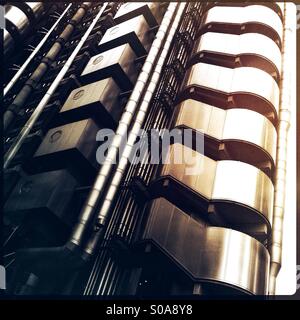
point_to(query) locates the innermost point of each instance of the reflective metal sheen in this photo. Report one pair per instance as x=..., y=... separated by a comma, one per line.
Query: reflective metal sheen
x=96, y=100
x=18, y=18
x=248, y=49
x=134, y=31
x=243, y=87
x=257, y=14
x=248, y=136
x=150, y=10
x=208, y=254
x=117, y=63
x=241, y=193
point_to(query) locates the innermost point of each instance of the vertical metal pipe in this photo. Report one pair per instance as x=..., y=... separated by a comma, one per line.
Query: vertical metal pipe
x=39, y=109
x=11, y=113
x=33, y=54
x=103, y=215
x=287, y=91
x=102, y=178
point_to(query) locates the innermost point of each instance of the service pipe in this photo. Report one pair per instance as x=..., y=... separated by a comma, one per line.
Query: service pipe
x=34, y=53
x=43, y=103
x=103, y=215
x=287, y=91
x=12, y=112
x=98, y=188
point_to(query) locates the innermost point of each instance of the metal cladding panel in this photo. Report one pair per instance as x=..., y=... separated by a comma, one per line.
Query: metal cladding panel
x=71, y=146
x=8, y=41
x=18, y=18
x=243, y=15
x=37, y=8
x=135, y=31
x=200, y=169
x=209, y=254
x=150, y=10
x=243, y=193
x=261, y=90
x=243, y=45
x=248, y=136
x=242, y=183
x=97, y=100
x=52, y=194
x=117, y=63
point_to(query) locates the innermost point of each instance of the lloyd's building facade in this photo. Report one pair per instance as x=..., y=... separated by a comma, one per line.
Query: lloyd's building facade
x=76, y=226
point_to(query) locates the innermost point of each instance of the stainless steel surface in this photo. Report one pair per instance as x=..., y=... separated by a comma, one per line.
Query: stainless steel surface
x=18, y=18
x=248, y=136
x=243, y=46
x=245, y=87
x=20, y=21
x=134, y=31
x=38, y=110
x=118, y=63
x=8, y=42
x=99, y=99
x=243, y=15
x=288, y=92
x=103, y=214
x=241, y=193
x=209, y=254
x=8, y=38
x=37, y=8
x=150, y=10
x=36, y=76
x=103, y=176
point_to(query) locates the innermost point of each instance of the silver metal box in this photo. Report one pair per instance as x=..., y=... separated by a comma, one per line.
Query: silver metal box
x=150, y=10
x=98, y=100
x=135, y=32
x=118, y=63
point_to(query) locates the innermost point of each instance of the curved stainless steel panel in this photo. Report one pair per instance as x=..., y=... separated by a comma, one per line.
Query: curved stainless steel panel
x=261, y=89
x=209, y=254
x=248, y=136
x=134, y=31
x=241, y=193
x=244, y=44
x=150, y=10
x=277, y=7
x=8, y=42
x=191, y=168
x=19, y=22
x=37, y=8
x=242, y=183
x=18, y=18
x=243, y=15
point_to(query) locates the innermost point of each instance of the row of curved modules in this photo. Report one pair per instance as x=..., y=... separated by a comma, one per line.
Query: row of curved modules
x=212, y=212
